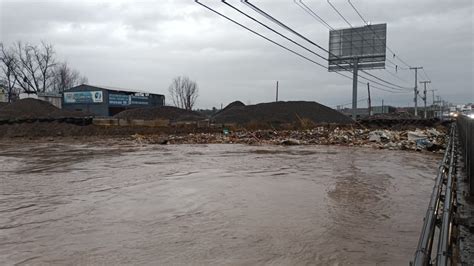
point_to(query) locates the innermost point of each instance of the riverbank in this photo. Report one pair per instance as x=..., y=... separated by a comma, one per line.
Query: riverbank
x=396, y=138
x=428, y=139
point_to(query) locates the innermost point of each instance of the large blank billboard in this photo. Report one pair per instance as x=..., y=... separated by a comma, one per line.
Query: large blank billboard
x=367, y=44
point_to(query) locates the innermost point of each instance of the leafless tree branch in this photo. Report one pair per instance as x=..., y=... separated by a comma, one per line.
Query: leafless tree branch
x=183, y=92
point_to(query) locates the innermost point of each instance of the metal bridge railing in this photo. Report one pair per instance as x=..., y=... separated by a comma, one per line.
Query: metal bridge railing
x=437, y=224
x=465, y=126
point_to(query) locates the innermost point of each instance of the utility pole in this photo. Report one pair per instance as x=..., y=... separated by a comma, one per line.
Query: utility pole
x=440, y=107
x=382, y=107
x=424, y=92
x=432, y=91
x=277, y=92
x=416, y=88
x=370, y=106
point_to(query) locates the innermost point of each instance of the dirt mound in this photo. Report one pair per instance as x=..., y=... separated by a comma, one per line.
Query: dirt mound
x=280, y=113
x=161, y=112
x=230, y=106
x=36, y=109
x=233, y=104
x=27, y=108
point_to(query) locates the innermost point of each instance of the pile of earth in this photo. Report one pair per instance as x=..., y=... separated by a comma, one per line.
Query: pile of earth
x=27, y=108
x=161, y=112
x=230, y=106
x=281, y=113
x=34, y=109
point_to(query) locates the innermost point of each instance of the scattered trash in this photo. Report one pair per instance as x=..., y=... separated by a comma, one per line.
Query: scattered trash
x=416, y=135
x=423, y=143
x=379, y=135
x=429, y=139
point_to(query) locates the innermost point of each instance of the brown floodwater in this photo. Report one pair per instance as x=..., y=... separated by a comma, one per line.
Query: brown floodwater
x=112, y=203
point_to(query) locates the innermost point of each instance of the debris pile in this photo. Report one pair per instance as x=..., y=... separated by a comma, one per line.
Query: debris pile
x=280, y=113
x=161, y=112
x=430, y=139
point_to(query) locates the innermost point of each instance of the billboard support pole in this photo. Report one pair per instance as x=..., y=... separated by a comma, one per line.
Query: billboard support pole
x=370, y=103
x=355, y=63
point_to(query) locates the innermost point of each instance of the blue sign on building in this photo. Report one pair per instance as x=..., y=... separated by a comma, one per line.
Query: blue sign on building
x=119, y=99
x=139, y=100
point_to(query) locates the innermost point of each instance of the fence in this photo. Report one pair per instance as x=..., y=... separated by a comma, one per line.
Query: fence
x=466, y=134
x=435, y=241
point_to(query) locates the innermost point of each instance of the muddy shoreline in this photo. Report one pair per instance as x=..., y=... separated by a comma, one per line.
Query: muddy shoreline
x=431, y=139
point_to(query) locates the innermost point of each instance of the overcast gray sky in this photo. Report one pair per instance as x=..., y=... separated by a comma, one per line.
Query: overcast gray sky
x=144, y=44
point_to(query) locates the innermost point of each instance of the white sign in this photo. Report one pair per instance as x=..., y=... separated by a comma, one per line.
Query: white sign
x=83, y=97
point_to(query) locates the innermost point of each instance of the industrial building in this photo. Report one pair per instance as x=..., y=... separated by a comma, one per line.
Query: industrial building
x=107, y=101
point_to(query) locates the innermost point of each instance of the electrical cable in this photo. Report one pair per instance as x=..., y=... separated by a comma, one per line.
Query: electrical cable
x=303, y=37
x=394, y=75
x=266, y=38
x=282, y=46
x=308, y=10
x=337, y=11
x=313, y=14
x=366, y=23
x=274, y=31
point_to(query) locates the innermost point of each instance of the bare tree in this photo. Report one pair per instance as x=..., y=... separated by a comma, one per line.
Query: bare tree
x=33, y=69
x=34, y=65
x=183, y=92
x=64, y=78
x=7, y=67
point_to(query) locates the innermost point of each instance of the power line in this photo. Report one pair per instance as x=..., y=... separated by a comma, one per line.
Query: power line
x=394, y=75
x=337, y=11
x=366, y=23
x=284, y=47
x=426, y=74
x=271, y=29
x=321, y=20
x=268, y=16
x=341, y=105
x=268, y=39
x=357, y=12
x=313, y=14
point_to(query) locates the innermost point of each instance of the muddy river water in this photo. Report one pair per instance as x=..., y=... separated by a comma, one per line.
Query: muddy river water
x=121, y=203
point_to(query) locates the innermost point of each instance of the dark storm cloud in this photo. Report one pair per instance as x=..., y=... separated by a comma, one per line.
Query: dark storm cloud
x=144, y=44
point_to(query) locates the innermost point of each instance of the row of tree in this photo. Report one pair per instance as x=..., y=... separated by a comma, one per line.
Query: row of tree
x=34, y=68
